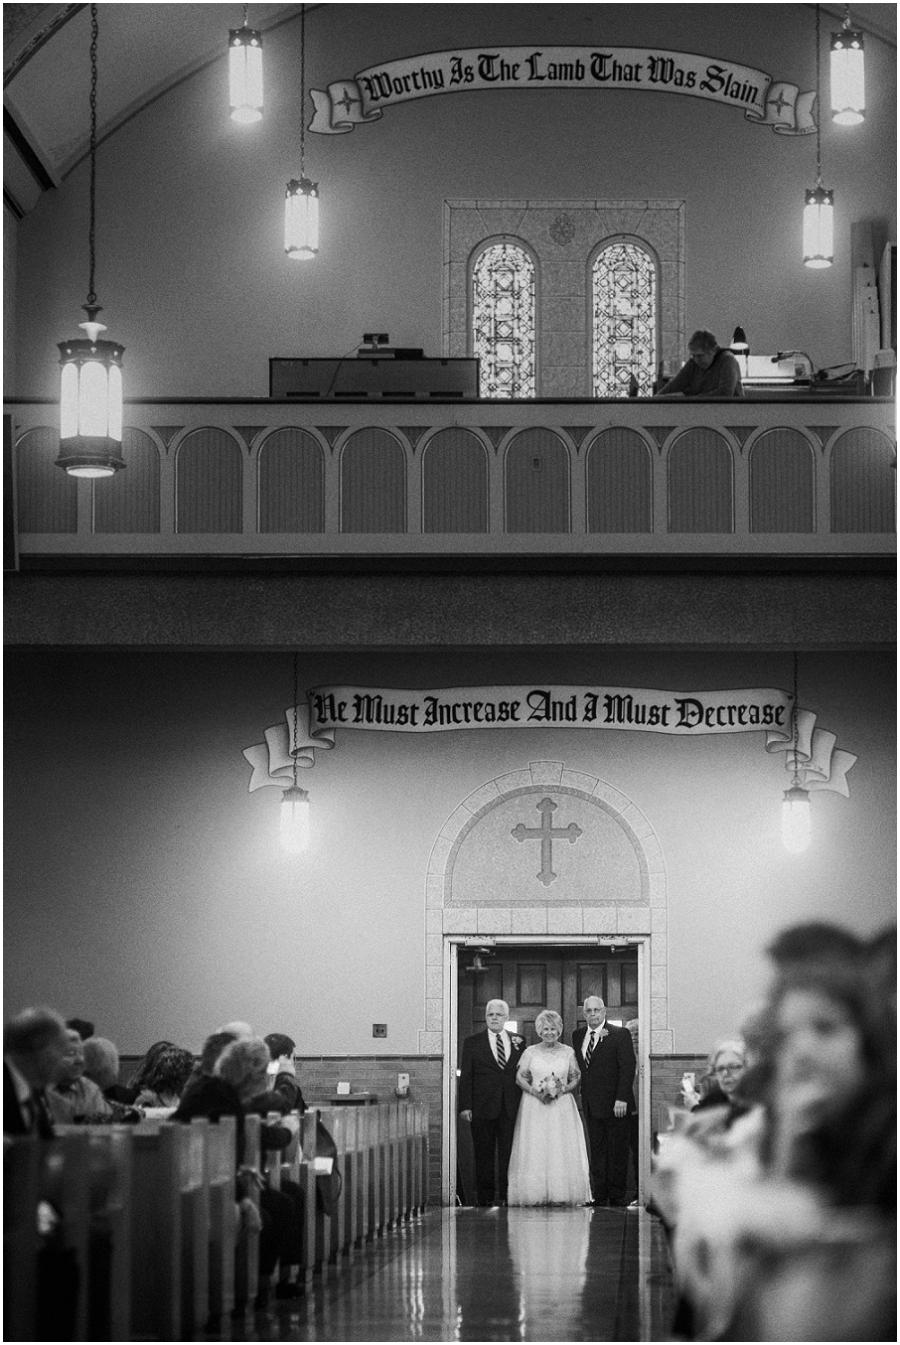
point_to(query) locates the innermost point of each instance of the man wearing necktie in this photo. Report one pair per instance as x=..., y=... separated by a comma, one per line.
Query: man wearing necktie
x=605, y=1057
x=35, y=1045
x=489, y=1099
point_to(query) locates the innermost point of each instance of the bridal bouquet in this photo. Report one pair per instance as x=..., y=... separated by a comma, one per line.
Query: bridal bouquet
x=550, y=1088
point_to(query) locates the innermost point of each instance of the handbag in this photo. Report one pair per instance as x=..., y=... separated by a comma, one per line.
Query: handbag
x=328, y=1184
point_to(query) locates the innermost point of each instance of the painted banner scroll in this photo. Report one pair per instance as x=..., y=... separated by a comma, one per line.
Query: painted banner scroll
x=346, y=103
x=820, y=764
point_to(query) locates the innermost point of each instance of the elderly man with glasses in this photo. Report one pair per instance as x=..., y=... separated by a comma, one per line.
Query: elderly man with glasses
x=709, y=371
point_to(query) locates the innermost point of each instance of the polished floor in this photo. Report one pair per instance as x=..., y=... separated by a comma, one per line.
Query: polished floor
x=486, y=1275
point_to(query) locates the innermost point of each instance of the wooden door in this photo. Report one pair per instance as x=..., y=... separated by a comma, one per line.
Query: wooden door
x=546, y=977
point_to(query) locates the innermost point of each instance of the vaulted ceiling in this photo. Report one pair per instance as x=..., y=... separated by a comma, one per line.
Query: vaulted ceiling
x=144, y=50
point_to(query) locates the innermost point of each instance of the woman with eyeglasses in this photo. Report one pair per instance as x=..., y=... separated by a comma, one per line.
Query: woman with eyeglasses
x=724, y=1071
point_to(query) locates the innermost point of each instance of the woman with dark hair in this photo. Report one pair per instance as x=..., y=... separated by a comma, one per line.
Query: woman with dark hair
x=162, y=1074
x=793, y=1237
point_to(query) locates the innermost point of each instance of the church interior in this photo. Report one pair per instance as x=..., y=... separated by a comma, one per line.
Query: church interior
x=399, y=543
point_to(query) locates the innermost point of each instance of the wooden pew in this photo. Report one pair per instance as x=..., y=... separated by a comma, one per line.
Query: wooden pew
x=220, y=1166
x=109, y=1241
x=246, y=1273
x=21, y=1192
x=194, y=1193
x=156, y=1231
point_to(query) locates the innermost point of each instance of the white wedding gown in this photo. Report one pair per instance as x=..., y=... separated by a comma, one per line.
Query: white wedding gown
x=549, y=1162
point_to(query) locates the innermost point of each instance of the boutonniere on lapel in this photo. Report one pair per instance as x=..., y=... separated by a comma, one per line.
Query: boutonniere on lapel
x=604, y=1033
x=516, y=1041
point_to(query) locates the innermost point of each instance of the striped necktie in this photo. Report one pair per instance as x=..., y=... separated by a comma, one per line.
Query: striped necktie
x=501, y=1051
x=590, y=1050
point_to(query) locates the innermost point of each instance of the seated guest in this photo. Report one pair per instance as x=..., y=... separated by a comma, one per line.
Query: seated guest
x=81, y=1026
x=236, y=1029
x=239, y=1076
x=162, y=1075
x=75, y=1099
x=101, y=1063
x=35, y=1048
x=791, y=1235
x=709, y=371
x=725, y=1069
x=283, y=1072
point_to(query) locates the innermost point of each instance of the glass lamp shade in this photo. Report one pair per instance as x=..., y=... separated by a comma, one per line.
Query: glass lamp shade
x=294, y=820
x=301, y=219
x=245, y=77
x=818, y=227
x=90, y=405
x=848, y=78
x=795, y=820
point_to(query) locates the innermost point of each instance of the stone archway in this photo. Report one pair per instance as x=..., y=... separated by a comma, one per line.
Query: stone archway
x=452, y=909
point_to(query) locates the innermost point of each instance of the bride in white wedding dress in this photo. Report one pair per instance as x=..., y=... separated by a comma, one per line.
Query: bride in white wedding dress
x=549, y=1163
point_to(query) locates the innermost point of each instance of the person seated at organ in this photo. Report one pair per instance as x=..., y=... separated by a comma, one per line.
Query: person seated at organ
x=162, y=1075
x=74, y=1098
x=709, y=371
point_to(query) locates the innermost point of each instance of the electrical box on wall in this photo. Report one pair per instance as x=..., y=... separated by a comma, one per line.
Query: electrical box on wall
x=379, y=1029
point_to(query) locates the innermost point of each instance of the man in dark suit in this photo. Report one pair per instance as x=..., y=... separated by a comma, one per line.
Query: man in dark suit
x=605, y=1057
x=489, y=1099
x=35, y=1047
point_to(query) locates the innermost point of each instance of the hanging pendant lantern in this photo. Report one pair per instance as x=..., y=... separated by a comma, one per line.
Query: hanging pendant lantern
x=818, y=227
x=848, y=75
x=796, y=827
x=301, y=219
x=245, y=74
x=818, y=212
x=301, y=195
x=294, y=833
x=796, y=822
x=294, y=824
x=90, y=391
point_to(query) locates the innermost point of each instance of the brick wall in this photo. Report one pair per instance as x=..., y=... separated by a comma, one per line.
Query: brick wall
x=320, y=1075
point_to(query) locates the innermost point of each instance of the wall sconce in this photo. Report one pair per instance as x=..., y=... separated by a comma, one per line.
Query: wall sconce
x=796, y=823
x=245, y=74
x=848, y=75
x=818, y=212
x=90, y=388
x=301, y=196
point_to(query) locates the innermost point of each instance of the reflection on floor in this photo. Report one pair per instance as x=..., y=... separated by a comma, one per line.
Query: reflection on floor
x=489, y=1274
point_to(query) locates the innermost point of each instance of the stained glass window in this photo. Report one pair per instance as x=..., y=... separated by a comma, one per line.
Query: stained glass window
x=623, y=290
x=503, y=321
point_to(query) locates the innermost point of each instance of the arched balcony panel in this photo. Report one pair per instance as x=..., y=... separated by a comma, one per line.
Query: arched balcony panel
x=863, y=482
x=455, y=483
x=129, y=501
x=47, y=498
x=373, y=482
x=701, y=482
x=782, y=482
x=537, y=482
x=291, y=483
x=619, y=482
x=208, y=483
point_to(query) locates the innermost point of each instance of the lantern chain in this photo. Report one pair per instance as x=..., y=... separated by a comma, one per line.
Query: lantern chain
x=302, y=88
x=92, y=297
x=818, y=99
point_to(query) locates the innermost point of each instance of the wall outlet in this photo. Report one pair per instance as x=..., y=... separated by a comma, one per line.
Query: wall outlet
x=402, y=1083
x=379, y=1029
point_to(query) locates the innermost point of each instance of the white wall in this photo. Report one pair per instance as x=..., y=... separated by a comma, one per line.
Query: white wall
x=145, y=889
x=191, y=270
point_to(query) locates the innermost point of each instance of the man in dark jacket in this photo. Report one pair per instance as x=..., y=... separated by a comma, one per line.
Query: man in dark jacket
x=489, y=1099
x=605, y=1057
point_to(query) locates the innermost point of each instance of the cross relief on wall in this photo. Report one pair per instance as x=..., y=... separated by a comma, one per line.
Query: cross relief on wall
x=601, y=874
x=546, y=833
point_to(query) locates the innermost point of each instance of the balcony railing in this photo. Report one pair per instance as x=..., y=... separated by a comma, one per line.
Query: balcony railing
x=805, y=476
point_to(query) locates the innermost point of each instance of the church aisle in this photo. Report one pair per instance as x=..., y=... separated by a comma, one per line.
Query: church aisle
x=484, y=1275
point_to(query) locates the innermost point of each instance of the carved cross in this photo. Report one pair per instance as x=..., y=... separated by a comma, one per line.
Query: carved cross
x=545, y=833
